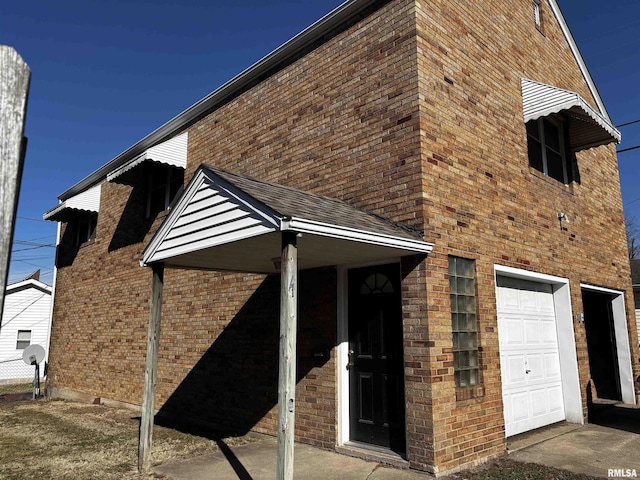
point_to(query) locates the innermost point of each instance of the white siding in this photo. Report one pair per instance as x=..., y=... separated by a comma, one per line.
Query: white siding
x=638, y=323
x=87, y=200
x=211, y=218
x=172, y=152
x=24, y=309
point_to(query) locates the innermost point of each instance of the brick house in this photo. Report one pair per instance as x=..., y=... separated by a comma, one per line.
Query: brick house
x=449, y=173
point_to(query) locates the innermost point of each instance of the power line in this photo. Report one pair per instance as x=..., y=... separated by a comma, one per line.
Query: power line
x=33, y=248
x=627, y=149
x=32, y=219
x=628, y=123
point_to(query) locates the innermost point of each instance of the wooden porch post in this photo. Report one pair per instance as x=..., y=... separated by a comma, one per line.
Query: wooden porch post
x=287, y=358
x=151, y=369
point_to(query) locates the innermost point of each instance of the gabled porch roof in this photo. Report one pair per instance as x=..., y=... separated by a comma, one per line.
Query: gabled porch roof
x=226, y=221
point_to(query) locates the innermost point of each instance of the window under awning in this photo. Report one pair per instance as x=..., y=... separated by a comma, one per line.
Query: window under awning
x=173, y=152
x=225, y=221
x=87, y=201
x=587, y=127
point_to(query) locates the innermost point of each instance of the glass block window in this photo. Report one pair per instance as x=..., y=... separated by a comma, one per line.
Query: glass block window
x=464, y=323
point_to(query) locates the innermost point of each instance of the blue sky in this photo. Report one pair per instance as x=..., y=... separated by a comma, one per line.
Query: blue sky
x=106, y=73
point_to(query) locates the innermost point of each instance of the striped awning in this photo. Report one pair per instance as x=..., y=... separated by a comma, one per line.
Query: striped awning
x=172, y=152
x=87, y=201
x=587, y=127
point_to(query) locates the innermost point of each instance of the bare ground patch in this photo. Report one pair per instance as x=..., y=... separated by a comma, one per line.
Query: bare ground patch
x=67, y=440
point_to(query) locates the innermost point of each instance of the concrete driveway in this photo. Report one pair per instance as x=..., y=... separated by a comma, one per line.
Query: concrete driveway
x=610, y=442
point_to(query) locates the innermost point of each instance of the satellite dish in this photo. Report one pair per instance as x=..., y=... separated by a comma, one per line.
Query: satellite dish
x=33, y=354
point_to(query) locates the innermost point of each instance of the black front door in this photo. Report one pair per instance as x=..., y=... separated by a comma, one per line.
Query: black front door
x=376, y=364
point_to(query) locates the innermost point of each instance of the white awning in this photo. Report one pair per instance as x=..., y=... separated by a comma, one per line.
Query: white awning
x=224, y=221
x=587, y=127
x=87, y=201
x=172, y=152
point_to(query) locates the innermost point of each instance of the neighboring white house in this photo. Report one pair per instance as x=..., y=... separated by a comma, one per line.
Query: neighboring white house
x=25, y=321
x=635, y=280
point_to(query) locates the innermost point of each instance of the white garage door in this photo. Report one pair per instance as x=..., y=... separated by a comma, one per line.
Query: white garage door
x=531, y=380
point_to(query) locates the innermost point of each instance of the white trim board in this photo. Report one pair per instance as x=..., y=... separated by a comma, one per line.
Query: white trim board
x=343, y=355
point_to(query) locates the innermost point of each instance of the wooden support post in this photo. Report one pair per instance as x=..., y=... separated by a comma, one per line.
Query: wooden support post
x=287, y=359
x=151, y=370
x=15, y=77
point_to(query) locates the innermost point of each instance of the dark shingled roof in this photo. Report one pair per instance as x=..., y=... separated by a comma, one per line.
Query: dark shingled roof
x=289, y=202
x=635, y=271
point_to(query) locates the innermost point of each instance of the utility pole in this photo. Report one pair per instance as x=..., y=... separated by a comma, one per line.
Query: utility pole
x=15, y=76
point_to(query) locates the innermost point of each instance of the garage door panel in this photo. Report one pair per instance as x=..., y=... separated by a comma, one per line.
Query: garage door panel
x=514, y=332
x=519, y=403
x=534, y=368
x=538, y=398
x=531, y=332
x=552, y=366
x=516, y=369
x=555, y=399
x=548, y=331
x=528, y=301
x=531, y=379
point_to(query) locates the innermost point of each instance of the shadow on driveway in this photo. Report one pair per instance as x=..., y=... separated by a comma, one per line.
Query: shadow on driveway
x=620, y=417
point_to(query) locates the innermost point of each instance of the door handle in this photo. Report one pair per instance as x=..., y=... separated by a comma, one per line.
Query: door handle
x=527, y=371
x=350, y=365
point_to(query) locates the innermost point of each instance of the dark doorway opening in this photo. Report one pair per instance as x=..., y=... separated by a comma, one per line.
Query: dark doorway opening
x=601, y=344
x=376, y=379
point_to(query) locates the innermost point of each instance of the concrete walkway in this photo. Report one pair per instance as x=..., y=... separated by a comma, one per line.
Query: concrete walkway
x=612, y=443
x=257, y=461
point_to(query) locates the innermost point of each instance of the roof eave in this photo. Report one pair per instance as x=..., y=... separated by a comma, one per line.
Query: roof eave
x=288, y=49
x=302, y=225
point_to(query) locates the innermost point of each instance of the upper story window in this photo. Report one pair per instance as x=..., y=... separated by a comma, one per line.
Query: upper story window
x=559, y=123
x=80, y=213
x=546, y=146
x=537, y=16
x=164, y=183
x=157, y=173
x=85, y=227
